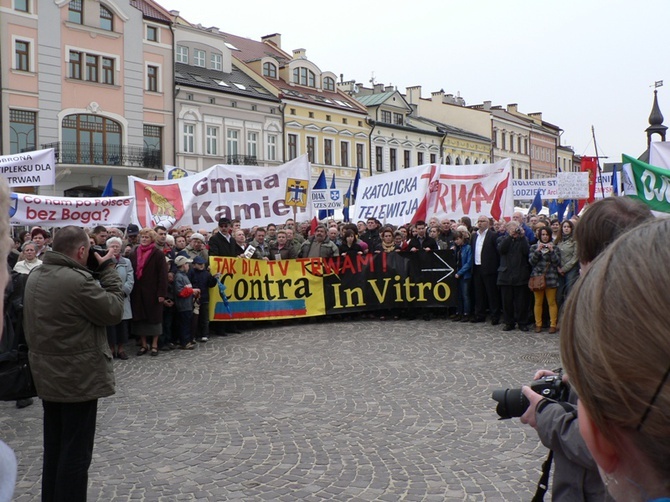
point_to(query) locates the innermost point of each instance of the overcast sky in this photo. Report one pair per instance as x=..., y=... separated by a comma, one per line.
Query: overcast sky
x=581, y=63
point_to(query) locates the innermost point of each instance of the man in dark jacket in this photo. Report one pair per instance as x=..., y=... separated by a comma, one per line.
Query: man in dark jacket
x=513, y=275
x=486, y=261
x=421, y=240
x=221, y=244
x=66, y=310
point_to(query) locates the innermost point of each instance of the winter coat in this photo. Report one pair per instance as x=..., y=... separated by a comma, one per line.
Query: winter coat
x=66, y=311
x=464, y=261
x=514, y=269
x=183, y=292
x=575, y=474
x=539, y=260
x=326, y=250
x=220, y=246
x=568, y=248
x=202, y=280
x=127, y=276
x=352, y=250
x=290, y=250
x=148, y=288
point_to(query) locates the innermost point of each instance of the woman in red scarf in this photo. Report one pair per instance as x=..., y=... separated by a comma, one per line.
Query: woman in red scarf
x=149, y=291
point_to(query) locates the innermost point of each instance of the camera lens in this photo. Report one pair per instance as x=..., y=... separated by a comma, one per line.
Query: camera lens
x=511, y=402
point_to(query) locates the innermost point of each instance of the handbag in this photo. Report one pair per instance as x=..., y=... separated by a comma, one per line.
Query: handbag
x=16, y=380
x=539, y=282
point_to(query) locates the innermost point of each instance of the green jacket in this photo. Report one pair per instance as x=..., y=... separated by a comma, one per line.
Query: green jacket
x=66, y=311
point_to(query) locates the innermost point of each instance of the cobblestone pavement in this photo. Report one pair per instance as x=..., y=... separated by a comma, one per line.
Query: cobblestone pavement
x=352, y=410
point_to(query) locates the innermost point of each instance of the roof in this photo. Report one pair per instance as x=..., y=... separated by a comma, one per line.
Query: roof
x=375, y=99
x=151, y=10
x=451, y=130
x=236, y=82
x=247, y=50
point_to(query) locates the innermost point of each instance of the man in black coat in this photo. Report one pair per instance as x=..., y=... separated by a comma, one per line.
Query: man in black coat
x=485, y=272
x=513, y=275
x=421, y=240
x=221, y=244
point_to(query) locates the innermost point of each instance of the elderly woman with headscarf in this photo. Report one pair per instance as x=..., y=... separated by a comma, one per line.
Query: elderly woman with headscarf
x=149, y=291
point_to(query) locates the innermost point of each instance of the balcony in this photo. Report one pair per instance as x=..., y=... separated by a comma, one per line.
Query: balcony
x=106, y=155
x=241, y=160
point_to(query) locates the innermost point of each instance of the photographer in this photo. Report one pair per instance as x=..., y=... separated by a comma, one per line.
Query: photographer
x=513, y=274
x=576, y=476
x=545, y=259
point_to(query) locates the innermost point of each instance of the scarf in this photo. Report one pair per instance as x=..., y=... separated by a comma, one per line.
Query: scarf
x=143, y=253
x=387, y=248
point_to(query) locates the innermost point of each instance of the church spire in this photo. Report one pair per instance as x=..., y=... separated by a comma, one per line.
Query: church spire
x=655, y=121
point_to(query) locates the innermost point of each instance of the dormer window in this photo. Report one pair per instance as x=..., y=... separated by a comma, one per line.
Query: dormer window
x=269, y=70
x=303, y=76
x=106, y=18
x=199, y=57
x=329, y=84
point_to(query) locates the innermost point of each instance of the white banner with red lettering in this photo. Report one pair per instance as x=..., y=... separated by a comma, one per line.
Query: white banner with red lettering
x=445, y=191
x=29, y=169
x=29, y=209
x=255, y=195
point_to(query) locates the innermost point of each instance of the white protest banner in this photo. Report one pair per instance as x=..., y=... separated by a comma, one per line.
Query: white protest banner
x=606, y=185
x=253, y=194
x=29, y=169
x=659, y=154
x=526, y=189
x=392, y=197
x=329, y=198
x=573, y=185
x=29, y=209
x=441, y=191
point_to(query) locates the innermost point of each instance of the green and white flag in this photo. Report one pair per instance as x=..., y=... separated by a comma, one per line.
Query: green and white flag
x=647, y=183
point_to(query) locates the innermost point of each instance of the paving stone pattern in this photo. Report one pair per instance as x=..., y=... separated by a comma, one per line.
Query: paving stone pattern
x=356, y=410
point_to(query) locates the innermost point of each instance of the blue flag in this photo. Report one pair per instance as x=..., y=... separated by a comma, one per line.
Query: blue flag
x=222, y=292
x=331, y=212
x=553, y=206
x=108, y=191
x=562, y=206
x=347, y=203
x=354, y=192
x=321, y=185
x=536, y=206
x=615, y=180
x=571, y=208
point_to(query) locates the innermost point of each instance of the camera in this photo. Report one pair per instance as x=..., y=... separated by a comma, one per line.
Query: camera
x=91, y=262
x=512, y=402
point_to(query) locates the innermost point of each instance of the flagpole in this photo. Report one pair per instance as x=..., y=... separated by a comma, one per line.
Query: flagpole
x=600, y=170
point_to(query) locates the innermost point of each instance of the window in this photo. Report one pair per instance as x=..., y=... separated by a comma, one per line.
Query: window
x=328, y=152
x=433, y=158
x=21, y=5
x=292, y=146
x=152, y=33
x=311, y=115
x=233, y=104
x=386, y=117
x=398, y=118
x=182, y=54
x=76, y=11
x=511, y=142
x=329, y=84
x=152, y=78
x=22, y=51
x=189, y=138
x=406, y=158
x=292, y=111
x=91, y=139
x=91, y=68
x=232, y=141
x=419, y=158
x=107, y=71
x=360, y=152
x=252, y=144
x=311, y=149
x=392, y=159
x=199, y=57
x=106, y=18
x=22, y=127
x=328, y=118
x=153, y=144
x=269, y=70
x=272, y=147
x=304, y=76
x=504, y=141
x=344, y=154
x=254, y=108
x=216, y=62
x=212, y=140
x=75, y=65
x=212, y=101
x=379, y=158
x=344, y=120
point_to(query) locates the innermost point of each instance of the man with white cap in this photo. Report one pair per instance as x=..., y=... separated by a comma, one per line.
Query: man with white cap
x=197, y=247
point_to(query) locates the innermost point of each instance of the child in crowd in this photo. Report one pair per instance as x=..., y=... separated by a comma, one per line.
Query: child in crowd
x=201, y=279
x=184, y=296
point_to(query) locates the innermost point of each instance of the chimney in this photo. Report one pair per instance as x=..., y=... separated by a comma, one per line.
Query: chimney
x=213, y=29
x=449, y=98
x=536, y=116
x=513, y=108
x=437, y=95
x=413, y=94
x=487, y=105
x=389, y=88
x=299, y=54
x=379, y=88
x=174, y=13
x=274, y=39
